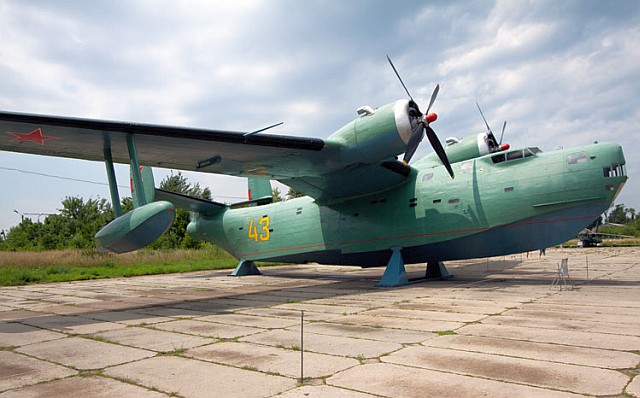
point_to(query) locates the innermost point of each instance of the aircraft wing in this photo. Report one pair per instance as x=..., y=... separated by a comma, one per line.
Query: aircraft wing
x=314, y=166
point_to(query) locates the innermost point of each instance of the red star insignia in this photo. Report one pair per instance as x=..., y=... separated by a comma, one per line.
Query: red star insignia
x=34, y=136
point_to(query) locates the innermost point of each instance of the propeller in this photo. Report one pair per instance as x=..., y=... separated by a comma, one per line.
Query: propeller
x=504, y=126
x=491, y=136
x=483, y=118
x=423, y=126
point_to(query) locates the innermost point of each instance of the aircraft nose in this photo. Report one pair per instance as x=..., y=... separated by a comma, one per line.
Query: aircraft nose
x=613, y=162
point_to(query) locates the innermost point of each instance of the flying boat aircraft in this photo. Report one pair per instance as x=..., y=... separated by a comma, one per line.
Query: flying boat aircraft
x=476, y=197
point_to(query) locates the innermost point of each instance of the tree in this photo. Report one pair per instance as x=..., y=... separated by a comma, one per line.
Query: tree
x=74, y=227
x=276, y=195
x=177, y=235
x=79, y=220
x=293, y=193
x=179, y=184
x=618, y=215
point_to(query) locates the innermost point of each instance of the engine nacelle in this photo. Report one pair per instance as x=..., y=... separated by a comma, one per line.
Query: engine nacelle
x=470, y=147
x=137, y=228
x=378, y=134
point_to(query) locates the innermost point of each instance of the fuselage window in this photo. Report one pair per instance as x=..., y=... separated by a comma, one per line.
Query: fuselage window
x=578, y=157
x=427, y=177
x=498, y=158
x=452, y=201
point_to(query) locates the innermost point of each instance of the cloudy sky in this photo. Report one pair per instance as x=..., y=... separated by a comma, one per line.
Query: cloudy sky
x=562, y=73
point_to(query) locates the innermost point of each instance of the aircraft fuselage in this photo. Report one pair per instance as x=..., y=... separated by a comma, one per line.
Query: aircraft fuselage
x=500, y=203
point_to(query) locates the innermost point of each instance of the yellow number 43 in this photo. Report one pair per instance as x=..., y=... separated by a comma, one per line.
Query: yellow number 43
x=264, y=230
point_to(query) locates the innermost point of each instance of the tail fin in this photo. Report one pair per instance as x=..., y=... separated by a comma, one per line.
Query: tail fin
x=259, y=188
x=148, y=185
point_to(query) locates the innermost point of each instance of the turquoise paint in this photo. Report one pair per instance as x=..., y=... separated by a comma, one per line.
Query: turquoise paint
x=137, y=228
x=430, y=210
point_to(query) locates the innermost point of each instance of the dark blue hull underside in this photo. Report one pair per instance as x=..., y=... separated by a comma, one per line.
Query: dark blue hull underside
x=533, y=233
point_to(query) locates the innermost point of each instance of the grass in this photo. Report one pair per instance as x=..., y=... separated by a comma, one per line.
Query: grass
x=21, y=268
x=445, y=332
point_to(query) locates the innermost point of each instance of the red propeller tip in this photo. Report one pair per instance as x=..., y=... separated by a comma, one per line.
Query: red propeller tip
x=432, y=117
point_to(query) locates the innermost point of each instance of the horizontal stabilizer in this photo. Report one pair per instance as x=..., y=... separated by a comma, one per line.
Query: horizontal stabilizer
x=254, y=202
x=197, y=205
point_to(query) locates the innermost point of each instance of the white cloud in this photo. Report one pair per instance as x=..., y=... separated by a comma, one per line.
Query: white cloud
x=561, y=73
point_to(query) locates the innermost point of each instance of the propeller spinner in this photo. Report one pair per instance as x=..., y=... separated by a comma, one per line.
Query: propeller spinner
x=423, y=126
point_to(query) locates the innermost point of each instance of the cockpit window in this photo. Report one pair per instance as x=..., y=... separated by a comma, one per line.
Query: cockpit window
x=514, y=155
x=578, y=157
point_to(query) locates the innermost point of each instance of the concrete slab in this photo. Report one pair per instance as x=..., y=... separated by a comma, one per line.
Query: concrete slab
x=458, y=306
x=71, y=324
x=153, y=340
x=579, y=312
x=130, y=318
x=511, y=330
x=250, y=320
x=84, y=354
x=179, y=313
x=397, y=323
x=634, y=387
x=13, y=314
x=323, y=392
x=567, y=337
x=82, y=387
x=192, y=379
x=16, y=334
x=19, y=370
x=272, y=360
x=282, y=313
x=561, y=353
x=391, y=380
x=334, y=345
x=563, y=377
x=426, y=315
x=566, y=324
x=366, y=332
x=207, y=329
x=332, y=309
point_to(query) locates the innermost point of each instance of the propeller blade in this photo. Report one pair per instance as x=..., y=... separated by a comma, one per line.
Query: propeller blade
x=399, y=78
x=483, y=118
x=433, y=97
x=437, y=147
x=504, y=126
x=414, y=141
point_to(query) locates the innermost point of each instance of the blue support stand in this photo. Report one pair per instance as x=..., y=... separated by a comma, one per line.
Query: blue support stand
x=437, y=270
x=246, y=268
x=395, y=274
